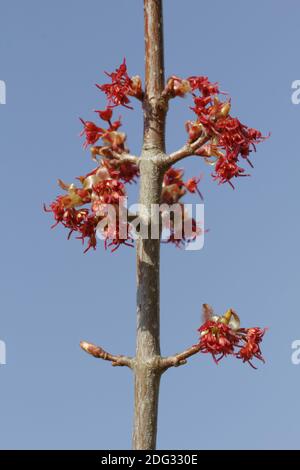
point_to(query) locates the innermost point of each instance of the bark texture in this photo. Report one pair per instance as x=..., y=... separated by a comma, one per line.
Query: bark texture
x=147, y=368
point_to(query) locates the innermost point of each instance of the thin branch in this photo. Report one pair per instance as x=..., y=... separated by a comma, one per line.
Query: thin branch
x=186, y=151
x=108, y=152
x=98, y=352
x=179, y=359
x=125, y=157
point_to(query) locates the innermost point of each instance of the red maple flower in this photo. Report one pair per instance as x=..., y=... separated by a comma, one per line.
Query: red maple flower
x=74, y=218
x=194, y=129
x=124, y=171
x=120, y=87
x=114, y=126
x=192, y=185
x=221, y=336
x=202, y=84
x=177, y=86
x=217, y=339
x=236, y=136
x=113, y=238
x=251, y=348
x=88, y=230
x=179, y=238
x=57, y=207
x=225, y=170
x=92, y=132
x=106, y=114
x=173, y=175
x=109, y=191
x=200, y=104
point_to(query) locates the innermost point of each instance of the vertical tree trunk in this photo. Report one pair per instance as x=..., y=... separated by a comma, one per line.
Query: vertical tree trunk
x=147, y=370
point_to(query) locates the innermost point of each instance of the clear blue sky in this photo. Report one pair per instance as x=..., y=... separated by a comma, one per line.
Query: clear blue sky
x=53, y=395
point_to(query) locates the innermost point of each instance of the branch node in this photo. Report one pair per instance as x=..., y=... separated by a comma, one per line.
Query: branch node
x=99, y=353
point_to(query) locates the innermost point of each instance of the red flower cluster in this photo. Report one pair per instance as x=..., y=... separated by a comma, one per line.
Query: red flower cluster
x=126, y=172
x=204, y=86
x=221, y=138
x=109, y=191
x=75, y=220
x=92, y=132
x=174, y=188
x=251, y=347
x=222, y=336
x=121, y=87
x=217, y=339
x=229, y=138
x=110, y=136
x=105, y=184
x=101, y=190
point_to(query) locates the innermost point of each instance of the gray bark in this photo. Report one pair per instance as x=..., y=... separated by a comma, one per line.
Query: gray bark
x=147, y=368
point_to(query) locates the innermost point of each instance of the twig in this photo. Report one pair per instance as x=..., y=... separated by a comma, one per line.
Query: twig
x=179, y=359
x=108, y=152
x=98, y=352
x=186, y=151
x=125, y=157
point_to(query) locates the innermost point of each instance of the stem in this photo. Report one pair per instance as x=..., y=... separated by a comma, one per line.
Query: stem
x=155, y=106
x=99, y=352
x=147, y=362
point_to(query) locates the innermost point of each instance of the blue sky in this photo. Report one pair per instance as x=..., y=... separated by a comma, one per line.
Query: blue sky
x=52, y=395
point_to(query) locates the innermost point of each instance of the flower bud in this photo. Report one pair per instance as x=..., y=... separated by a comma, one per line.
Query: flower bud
x=106, y=114
x=136, y=87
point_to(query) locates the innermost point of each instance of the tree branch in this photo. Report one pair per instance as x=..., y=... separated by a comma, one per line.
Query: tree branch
x=179, y=359
x=186, y=151
x=125, y=157
x=108, y=152
x=98, y=352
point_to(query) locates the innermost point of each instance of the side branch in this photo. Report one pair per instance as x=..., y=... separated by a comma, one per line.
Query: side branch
x=98, y=352
x=179, y=359
x=125, y=157
x=108, y=152
x=186, y=151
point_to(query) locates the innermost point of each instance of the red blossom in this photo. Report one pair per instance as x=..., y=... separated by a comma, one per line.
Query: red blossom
x=180, y=240
x=251, y=348
x=172, y=193
x=221, y=137
x=57, y=208
x=221, y=336
x=124, y=171
x=177, y=86
x=202, y=84
x=88, y=230
x=229, y=138
x=114, y=126
x=217, y=339
x=113, y=238
x=92, y=132
x=106, y=114
x=225, y=170
x=194, y=129
x=173, y=175
x=192, y=185
x=173, y=186
x=120, y=87
x=109, y=191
